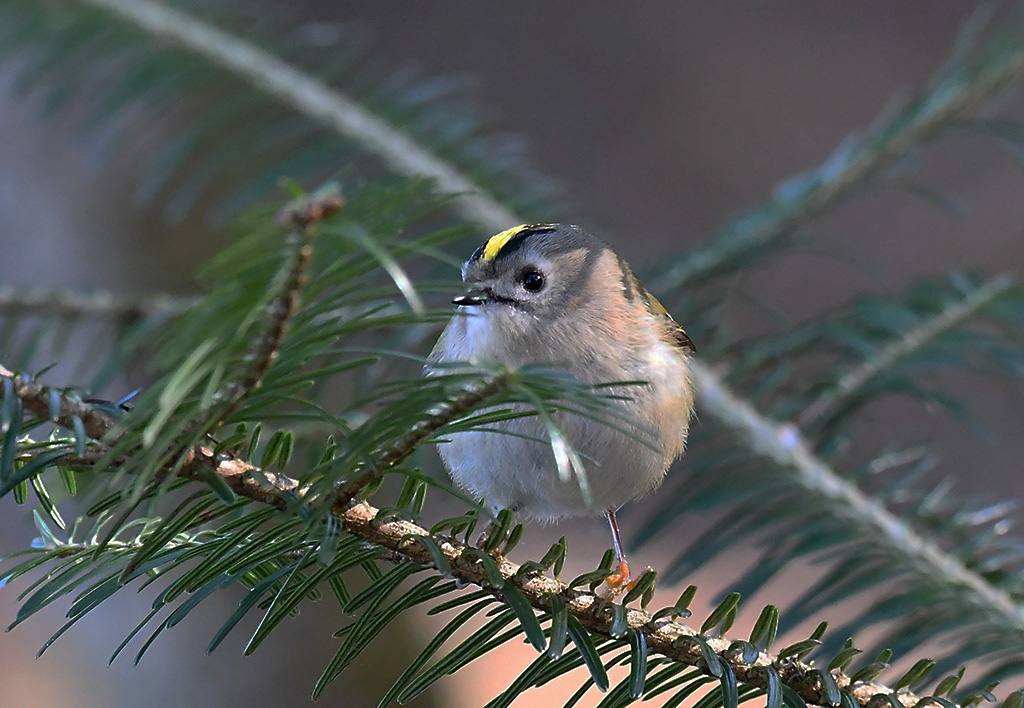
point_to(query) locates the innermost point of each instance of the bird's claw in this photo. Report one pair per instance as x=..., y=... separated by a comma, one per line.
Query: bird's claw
x=618, y=582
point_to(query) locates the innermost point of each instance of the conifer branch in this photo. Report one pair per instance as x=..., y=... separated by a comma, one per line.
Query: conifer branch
x=664, y=636
x=784, y=445
x=906, y=345
x=305, y=94
x=948, y=103
x=280, y=310
x=59, y=408
x=69, y=303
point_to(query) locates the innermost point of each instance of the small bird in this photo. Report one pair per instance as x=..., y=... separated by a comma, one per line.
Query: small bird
x=553, y=294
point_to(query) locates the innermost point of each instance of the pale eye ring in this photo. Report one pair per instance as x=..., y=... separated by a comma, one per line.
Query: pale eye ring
x=532, y=280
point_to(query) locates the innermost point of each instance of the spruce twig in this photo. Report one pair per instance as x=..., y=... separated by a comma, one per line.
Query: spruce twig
x=281, y=309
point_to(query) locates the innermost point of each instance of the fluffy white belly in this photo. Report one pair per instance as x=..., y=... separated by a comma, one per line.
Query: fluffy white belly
x=512, y=472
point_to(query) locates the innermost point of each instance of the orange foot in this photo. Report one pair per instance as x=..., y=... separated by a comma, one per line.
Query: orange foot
x=617, y=582
x=620, y=581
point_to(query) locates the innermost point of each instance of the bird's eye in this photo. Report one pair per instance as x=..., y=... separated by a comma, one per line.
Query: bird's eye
x=532, y=280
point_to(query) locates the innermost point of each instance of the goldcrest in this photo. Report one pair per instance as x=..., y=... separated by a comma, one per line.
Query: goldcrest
x=553, y=294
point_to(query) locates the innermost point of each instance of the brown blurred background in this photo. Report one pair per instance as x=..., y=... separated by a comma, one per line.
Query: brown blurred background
x=660, y=121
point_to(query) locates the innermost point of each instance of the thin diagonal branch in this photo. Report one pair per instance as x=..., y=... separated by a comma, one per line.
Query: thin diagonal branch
x=281, y=309
x=906, y=345
x=952, y=98
x=664, y=636
x=315, y=99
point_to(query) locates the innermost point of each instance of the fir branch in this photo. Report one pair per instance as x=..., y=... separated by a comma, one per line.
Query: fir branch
x=310, y=97
x=948, y=103
x=663, y=636
x=954, y=96
x=39, y=400
x=280, y=310
x=906, y=345
x=71, y=304
x=783, y=444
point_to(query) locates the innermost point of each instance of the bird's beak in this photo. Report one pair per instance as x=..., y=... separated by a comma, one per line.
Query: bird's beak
x=473, y=297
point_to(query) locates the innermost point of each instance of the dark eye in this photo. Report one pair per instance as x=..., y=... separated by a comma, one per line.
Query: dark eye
x=532, y=280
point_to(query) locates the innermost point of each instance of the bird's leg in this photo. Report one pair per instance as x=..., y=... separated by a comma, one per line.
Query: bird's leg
x=619, y=579
x=484, y=535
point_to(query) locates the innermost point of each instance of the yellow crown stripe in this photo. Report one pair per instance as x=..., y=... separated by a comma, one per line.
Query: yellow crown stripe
x=497, y=242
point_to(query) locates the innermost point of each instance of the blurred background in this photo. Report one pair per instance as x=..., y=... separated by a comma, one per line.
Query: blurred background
x=659, y=123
